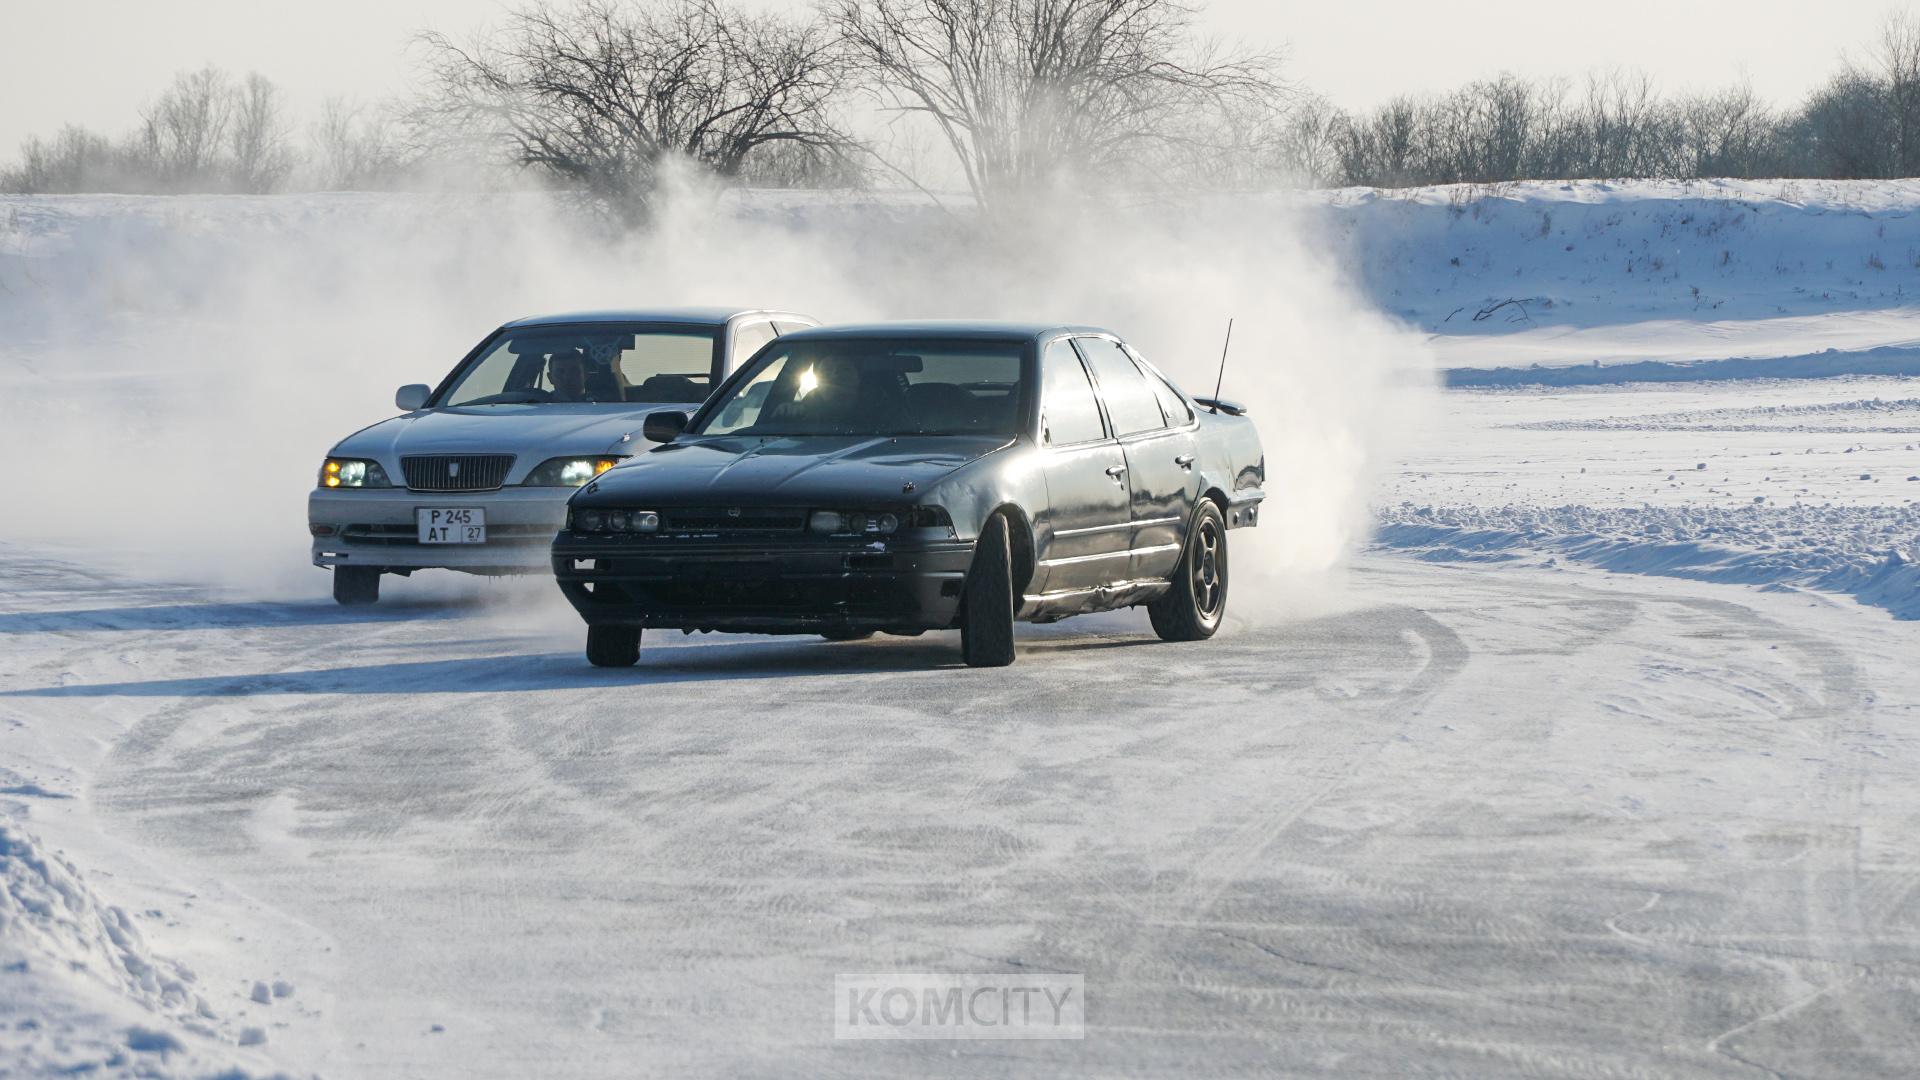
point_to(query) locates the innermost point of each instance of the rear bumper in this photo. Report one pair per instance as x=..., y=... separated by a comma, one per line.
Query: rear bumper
x=763, y=588
x=1243, y=508
x=377, y=528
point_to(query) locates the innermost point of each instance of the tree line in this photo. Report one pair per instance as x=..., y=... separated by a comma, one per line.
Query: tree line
x=1005, y=97
x=209, y=131
x=1862, y=123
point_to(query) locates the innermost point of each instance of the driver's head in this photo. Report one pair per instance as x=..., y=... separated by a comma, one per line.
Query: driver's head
x=568, y=374
x=836, y=389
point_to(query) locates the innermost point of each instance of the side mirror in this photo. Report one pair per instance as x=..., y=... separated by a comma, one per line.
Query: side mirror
x=664, y=427
x=412, y=396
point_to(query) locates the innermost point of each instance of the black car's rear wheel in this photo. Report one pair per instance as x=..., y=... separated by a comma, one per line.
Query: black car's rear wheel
x=356, y=584
x=846, y=635
x=613, y=646
x=1191, y=610
x=986, y=604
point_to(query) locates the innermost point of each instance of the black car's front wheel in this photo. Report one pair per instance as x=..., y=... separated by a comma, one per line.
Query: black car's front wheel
x=613, y=646
x=355, y=585
x=1191, y=610
x=986, y=603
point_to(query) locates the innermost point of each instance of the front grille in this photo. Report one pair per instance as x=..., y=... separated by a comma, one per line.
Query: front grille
x=733, y=521
x=457, y=472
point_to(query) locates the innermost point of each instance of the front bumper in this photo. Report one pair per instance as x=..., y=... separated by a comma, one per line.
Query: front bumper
x=764, y=587
x=376, y=527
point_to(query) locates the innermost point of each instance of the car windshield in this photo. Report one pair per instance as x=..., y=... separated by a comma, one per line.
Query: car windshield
x=877, y=387
x=597, y=364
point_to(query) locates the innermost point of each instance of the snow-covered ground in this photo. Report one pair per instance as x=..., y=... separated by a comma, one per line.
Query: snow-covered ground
x=1810, y=483
x=1600, y=759
x=1473, y=823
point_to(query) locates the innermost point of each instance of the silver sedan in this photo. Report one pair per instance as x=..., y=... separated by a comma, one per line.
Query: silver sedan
x=476, y=474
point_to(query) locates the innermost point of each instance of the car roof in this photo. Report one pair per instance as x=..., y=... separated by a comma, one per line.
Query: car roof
x=705, y=316
x=977, y=329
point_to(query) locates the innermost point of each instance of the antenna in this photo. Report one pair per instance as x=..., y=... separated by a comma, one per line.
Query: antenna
x=1222, y=377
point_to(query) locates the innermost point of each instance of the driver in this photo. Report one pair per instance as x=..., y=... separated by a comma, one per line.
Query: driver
x=567, y=372
x=826, y=393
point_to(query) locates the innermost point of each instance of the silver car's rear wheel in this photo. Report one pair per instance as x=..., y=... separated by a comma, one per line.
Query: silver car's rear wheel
x=1192, y=609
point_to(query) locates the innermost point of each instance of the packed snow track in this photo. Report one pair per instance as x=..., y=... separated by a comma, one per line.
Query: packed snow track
x=1465, y=821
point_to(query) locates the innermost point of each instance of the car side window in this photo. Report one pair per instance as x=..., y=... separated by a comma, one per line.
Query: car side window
x=747, y=340
x=1070, y=413
x=1130, y=399
x=744, y=407
x=1179, y=413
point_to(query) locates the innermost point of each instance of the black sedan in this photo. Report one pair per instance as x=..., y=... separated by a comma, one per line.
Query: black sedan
x=906, y=477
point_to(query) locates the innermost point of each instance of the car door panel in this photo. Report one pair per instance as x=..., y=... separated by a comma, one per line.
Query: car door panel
x=1163, y=486
x=1082, y=538
x=1089, y=518
x=1160, y=458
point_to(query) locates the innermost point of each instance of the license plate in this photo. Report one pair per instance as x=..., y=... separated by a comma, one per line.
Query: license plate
x=451, y=526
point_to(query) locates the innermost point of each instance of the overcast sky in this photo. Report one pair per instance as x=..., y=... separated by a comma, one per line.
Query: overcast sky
x=94, y=61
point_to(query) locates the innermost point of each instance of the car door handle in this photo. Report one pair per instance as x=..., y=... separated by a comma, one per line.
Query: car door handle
x=1185, y=461
x=1116, y=471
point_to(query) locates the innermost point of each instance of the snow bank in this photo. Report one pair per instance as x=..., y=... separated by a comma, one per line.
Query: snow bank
x=1757, y=278
x=1864, y=552
x=80, y=991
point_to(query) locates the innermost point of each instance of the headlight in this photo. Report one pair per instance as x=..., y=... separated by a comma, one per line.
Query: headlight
x=352, y=473
x=568, y=472
x=618, y=521
x=835, y=523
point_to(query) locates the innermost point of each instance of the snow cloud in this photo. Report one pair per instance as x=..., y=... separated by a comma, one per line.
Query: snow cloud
x=179, y=367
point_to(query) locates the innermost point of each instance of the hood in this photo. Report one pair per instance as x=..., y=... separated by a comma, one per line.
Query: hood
x=809, y=471
x=527, y=431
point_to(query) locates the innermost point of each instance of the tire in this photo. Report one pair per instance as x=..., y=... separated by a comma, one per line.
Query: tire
x=613, y=646
x=356, y=585
x=986, y=619
x=846, y=635
x=1193, y=608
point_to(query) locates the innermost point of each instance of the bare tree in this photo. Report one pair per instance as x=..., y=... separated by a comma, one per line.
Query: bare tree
x=75, y=160
x=259, y=153
x=1024, y=90
x=1897, y=54
x=182, y=132
x=355, y=147
x=1844, y=130
x=1731, y=133
x=602, y=95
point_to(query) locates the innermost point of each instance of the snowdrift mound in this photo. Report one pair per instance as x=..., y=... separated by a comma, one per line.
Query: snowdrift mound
x=80, y=991
x=1667, y=280
x=1867, y=553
